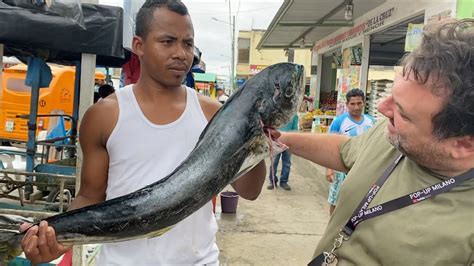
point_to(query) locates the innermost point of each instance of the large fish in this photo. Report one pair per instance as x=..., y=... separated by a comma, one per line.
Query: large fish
x=236, y=132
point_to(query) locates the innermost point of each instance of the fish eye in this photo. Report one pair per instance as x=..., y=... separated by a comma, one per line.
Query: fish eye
x=262, y=105
x=290, y=91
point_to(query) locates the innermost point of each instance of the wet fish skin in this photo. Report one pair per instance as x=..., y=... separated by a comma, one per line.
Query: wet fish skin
x=270, y=98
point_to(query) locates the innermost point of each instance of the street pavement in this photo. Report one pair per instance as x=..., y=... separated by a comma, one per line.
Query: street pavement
x=280, y=227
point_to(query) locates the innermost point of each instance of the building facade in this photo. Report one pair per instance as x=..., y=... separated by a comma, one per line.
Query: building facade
x=250, y=61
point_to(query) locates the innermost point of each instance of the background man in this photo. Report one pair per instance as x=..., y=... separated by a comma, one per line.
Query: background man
x=352, y=123
x=285, y=160
x=221, y=96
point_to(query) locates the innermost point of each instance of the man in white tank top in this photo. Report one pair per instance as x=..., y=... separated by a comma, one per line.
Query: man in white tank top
x=139, y=135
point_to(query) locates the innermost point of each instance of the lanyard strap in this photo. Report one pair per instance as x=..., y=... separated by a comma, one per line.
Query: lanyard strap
x=362, y=212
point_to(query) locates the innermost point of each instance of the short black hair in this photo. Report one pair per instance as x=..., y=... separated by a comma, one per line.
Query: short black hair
x=355, y=93
x=105, y=90
x=145, y=14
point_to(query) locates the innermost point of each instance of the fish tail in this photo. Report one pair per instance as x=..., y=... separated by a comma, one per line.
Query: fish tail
x=10, y=247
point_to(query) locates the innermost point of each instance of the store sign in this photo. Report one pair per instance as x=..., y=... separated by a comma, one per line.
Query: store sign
x=8, y=65
x=378, y=21
x=255, y=69
x=202, y=86
x=367, y=26
x=413, y=37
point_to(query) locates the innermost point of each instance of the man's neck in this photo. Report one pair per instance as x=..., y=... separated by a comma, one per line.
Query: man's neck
x=356, y=118
x=152, y=89
x=450, y=174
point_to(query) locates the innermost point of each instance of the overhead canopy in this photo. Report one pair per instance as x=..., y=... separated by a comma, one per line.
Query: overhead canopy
x=29, y=30
x=301, y=23
x=388, y=46
x=204, y=77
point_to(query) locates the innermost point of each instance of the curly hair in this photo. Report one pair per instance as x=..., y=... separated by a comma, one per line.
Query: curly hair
x=445, y=62
x=145, y=14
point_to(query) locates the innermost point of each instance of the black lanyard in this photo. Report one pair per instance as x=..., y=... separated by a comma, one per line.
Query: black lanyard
x=362, y=212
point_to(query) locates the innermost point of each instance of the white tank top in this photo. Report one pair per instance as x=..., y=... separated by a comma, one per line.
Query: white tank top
x=141, y=153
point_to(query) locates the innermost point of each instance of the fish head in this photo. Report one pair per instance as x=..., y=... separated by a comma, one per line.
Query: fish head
x=283, y=93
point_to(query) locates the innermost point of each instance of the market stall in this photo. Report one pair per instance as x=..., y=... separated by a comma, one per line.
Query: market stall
x=67, y=33
x=205, y=83
x=355, y=43
x=366, y=55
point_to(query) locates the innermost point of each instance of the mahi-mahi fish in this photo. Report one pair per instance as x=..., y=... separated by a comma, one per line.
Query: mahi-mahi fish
x=236, y=132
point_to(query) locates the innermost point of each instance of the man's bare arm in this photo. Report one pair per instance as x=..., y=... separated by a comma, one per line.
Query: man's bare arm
x=93, y=136
x=39, y=243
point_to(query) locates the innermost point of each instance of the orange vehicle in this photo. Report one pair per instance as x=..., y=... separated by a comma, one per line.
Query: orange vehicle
x=15, y=98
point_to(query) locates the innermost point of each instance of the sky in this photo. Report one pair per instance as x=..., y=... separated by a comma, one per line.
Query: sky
x=213, y=37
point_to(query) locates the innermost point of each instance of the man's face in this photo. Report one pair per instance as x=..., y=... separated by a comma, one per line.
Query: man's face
x=167, y=51
x=410, y=110
x=355, y=105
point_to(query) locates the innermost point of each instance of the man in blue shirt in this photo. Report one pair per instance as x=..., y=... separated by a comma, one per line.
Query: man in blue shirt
x=352, y=123
x=285, y=160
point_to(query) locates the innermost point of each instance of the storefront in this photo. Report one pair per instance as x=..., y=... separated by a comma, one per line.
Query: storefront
x=366, y=55
x=205, y=83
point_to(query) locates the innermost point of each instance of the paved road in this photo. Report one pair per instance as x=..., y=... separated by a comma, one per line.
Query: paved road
x=280, y=227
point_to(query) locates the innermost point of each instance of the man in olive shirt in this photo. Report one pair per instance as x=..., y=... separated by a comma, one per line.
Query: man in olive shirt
x=430, y=121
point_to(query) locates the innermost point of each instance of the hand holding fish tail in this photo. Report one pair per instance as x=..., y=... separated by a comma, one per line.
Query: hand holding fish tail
x=40, y=244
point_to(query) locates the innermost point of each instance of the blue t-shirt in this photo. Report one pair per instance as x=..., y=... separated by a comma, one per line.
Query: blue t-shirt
x=345, y=125
x=290, y=126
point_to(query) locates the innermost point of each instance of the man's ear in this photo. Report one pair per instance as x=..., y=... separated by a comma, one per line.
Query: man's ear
x=463, y=147
x=137, y=45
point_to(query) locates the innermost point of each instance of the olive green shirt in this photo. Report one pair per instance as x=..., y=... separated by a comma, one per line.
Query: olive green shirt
x=437, y=231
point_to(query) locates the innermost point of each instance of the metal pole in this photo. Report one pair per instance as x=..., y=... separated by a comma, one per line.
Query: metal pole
x=232, y=79
x=75, y=108
x=31, y=144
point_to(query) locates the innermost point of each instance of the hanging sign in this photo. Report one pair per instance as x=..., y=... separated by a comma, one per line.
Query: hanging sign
x=365, y=27
x=255, y=69
x=202, y=86
x=413, y=37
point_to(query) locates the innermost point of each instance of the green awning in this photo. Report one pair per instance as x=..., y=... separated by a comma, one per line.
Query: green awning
x=205, y=77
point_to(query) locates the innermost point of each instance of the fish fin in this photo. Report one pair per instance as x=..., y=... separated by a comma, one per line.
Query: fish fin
x=159, y=232
x=257, y=155
x=9, y=245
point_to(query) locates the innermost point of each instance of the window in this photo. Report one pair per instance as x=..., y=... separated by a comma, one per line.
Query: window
x=244, y=51
x=17, y=85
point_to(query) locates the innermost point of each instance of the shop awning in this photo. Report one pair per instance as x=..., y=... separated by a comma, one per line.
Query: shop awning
x=27, y=29
x=204, y=77
x=300, y=23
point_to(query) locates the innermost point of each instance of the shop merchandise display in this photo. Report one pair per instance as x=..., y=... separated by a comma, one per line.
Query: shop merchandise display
x=380, y=89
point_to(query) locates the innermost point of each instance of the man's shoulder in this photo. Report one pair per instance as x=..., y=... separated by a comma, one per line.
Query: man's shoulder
x=209, y=106
x=101, y=117
x=107, y=104
x=340, y=118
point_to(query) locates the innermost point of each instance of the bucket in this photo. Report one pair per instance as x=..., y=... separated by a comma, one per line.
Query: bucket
x=229, y=201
